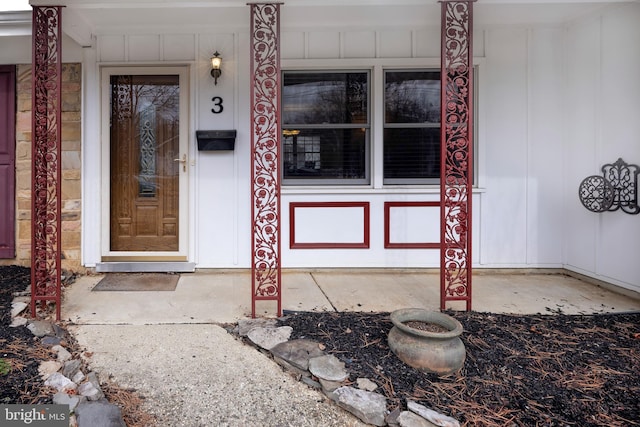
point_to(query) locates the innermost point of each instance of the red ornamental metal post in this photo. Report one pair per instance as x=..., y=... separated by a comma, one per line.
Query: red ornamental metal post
x=266, y=275
x=456, y=165
x=46, y=157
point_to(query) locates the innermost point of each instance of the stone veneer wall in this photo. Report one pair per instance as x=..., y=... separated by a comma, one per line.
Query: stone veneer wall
x=71, y=167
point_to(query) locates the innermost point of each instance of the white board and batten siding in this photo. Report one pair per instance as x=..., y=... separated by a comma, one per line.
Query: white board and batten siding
x=555, y=102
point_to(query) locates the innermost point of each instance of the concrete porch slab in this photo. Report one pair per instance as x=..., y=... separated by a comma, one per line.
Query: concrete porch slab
x=495, y=293
x=198, y=298
x=545, y=294
x=225, y=296
x=378, y=292
x=203, y=297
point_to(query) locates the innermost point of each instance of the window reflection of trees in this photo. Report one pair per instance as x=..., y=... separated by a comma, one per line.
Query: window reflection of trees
x=336, y=98
x=145, y=114
x=332, y=109
x=412, y=97
x=412, y=126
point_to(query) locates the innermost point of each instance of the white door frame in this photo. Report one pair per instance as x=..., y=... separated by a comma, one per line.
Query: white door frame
x=105, y=94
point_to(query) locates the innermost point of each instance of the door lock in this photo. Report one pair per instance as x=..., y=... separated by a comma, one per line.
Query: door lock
x=183, y=160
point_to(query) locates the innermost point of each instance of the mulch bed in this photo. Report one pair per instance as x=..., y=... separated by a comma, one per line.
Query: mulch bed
x=541, y=370
x=21, y=354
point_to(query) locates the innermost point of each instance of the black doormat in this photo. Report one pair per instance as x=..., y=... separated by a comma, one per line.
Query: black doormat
x=137, y=282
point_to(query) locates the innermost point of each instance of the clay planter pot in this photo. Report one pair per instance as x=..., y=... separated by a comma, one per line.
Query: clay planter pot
x=441, y=353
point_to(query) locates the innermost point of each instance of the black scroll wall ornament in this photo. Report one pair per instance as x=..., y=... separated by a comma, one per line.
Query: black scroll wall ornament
x=617, y=188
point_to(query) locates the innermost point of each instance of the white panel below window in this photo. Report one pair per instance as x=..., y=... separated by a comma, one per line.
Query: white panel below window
x=414, y=224
x=329, y=225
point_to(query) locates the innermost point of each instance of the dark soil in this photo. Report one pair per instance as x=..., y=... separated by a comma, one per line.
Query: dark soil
x=426, y=327
x=541, y=370
x=20, y=352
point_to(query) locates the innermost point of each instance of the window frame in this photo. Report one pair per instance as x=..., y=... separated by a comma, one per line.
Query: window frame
x=375, y=137
x=425, y=182
x=341, y=182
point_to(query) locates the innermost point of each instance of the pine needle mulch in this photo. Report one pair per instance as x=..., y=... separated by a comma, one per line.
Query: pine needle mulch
x=540, y=370
x=21, y=354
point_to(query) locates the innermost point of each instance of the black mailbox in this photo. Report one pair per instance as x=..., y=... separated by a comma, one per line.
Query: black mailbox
x=216, y=140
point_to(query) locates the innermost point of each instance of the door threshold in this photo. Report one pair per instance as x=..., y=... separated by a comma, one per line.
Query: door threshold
x=146, y=267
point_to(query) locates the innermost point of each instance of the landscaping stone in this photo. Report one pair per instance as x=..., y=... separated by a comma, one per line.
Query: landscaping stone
x=18, y=321
x=304, y=358
x=58, y=331
x=90, y=391
x=63, y=354
x=328, y=367
x=269, y=337
x=299, y=373
x=297, y=352
x=329, y=386
x=366, y=384
x=49, y=341
x=40, y=328
x=62, y=398
x=17, y=307
x=78, y=377
x=60, y=382
x=99, y=414
x=92, y=377
x=19, y=297
x=46, y=369
x=392, y=417
x=93, y=409
x=370, y=407
x=409, y=419
x=246, y=325
x=434, y=417
x=71, y=368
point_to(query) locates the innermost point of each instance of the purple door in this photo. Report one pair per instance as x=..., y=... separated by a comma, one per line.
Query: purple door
x=7, y=160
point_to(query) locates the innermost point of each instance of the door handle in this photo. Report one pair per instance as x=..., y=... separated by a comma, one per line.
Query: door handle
x=183, y=160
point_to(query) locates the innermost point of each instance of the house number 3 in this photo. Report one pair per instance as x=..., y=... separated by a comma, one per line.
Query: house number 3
x=217, y=105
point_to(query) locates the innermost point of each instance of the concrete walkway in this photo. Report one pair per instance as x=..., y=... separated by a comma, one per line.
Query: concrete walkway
x=171, y=348
x=198, y=375
x=225, y=297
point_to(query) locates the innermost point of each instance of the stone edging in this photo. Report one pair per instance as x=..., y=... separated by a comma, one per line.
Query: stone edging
x=307, y=361
x=65, y=373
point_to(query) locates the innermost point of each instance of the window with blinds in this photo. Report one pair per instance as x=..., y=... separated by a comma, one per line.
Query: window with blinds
x=412, y=127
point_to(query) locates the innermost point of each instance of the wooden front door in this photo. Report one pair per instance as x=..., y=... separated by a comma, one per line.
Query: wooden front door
x=145, y=163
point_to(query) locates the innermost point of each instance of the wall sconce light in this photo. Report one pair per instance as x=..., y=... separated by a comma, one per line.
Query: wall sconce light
x=216, y=61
